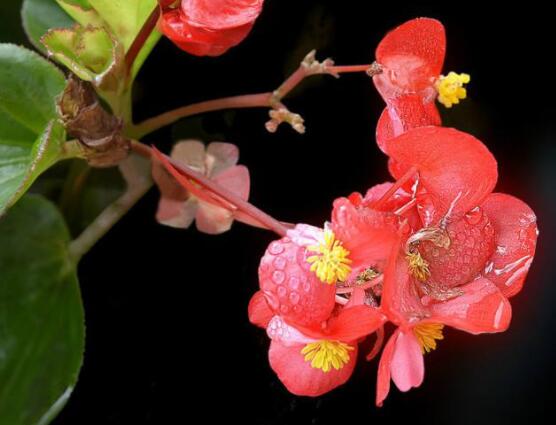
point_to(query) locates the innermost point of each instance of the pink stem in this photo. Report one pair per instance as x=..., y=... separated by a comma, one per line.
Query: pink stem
x=367, y=285
x=233, y=102
x=349, y=68
x=399, y=183
x=141, y=38
x=341, y=300
x=405, y=208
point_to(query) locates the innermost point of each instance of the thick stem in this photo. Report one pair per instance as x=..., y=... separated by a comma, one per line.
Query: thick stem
x=167, y=118
x=393, y=189
x=378, y=344
x=107, y=219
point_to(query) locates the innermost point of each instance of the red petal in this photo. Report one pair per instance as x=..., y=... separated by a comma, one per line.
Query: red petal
x=367, y=234
x=397, y=200
x=355, y=322
x=221, y=157
x=516, y=232
x=220, y=14
x=454, y=167
x=236, y=180
x=351, y=324
x=481, y=309
x=190, y=152
x=384, y=369
x=197, y=40
x=403, y=114
x=471, y=246
x=299, y=377
x=290, y=288
x=400, y=299
x=213, y=220
x=259, y=311
x=178, y=214
x=183, y=181
x=408, y=366
x=417, y=47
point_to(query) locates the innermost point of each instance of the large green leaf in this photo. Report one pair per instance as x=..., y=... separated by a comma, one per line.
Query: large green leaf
x=41, y=315
x=39, y=16
x=31, y=138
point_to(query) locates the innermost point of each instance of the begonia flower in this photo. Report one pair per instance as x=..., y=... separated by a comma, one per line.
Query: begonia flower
x=410, y=58
x=313, y=342
x=208, y=27
x=464, y=250
x=180, y=206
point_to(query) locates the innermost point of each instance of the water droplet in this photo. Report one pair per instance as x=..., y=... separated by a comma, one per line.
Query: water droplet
x=294, y=283
x=474, y=216
x=276, y=248
x=282, y=292
x=280, y=263
x=501, y=250
x=278, y=277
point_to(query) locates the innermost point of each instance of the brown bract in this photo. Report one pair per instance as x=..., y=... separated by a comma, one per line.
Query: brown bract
x=98, y=131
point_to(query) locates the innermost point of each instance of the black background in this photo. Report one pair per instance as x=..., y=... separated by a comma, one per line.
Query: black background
x=168, y=340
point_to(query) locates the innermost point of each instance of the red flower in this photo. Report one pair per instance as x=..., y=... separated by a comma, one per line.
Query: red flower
x=465, y=250
x=411, y=58
x=181, y=201
x=208, y=27
x=314, y=344
x=312, y=360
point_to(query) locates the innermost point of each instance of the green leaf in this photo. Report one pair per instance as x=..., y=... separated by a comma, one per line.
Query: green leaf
x=82, y=12
x=89, y=52
x=31, y=138
x=41, y=314
x=125, y=17
x=38, y=16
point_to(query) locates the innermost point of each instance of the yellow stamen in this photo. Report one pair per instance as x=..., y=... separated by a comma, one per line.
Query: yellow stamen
x=331, y=263
x=325, y=355
x=427, y=334
x=450, y=88
x=418, y=266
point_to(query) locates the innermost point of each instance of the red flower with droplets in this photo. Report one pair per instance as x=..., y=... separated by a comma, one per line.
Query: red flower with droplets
x=208, y=27
x=313, y=343
x=410, y=59
x=465, y=249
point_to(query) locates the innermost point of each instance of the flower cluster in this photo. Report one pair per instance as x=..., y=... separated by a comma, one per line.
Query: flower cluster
x=434, y=248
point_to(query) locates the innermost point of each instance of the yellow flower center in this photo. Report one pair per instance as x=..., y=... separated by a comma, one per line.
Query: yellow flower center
x=450, y=88
x=427, y=334
x=325, y=355
x=418, y=266
x=331, y=263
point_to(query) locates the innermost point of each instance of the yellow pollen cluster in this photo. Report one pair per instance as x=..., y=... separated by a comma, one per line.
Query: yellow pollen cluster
x=331, y=263
x=418, y=266
x=427, y=334
x=325, y=355
x=450, y=88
